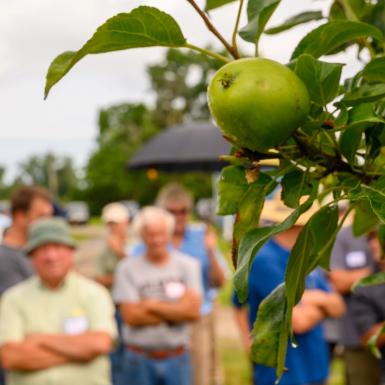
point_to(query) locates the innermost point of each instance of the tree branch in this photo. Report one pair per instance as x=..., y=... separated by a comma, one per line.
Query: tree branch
x=234, y=38
x=212, y=29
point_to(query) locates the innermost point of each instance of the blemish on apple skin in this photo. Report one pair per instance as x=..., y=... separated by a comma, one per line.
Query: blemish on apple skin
x=227, y=80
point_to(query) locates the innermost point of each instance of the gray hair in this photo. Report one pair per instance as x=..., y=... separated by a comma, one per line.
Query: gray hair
x=174, y=192
x=153, y=214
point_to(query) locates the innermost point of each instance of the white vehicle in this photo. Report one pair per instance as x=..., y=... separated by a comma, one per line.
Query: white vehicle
x=77, y=213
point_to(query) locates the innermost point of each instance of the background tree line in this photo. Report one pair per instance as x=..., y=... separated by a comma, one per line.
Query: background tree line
x=178, y=85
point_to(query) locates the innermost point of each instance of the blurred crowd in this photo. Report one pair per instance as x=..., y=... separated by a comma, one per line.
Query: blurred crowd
x=147, y=315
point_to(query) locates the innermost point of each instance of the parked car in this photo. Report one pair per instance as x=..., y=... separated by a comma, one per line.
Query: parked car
x=77, y=213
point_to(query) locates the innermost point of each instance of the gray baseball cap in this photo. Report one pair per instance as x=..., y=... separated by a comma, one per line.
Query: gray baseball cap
x=48, y=230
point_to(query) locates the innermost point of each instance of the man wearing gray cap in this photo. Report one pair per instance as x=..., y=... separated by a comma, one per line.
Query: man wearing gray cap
x=57, y=327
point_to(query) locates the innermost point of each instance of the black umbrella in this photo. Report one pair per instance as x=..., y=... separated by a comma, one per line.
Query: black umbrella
x=194, y=146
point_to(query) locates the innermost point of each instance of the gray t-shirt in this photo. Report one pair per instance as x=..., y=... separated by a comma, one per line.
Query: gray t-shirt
x=349, y=253
x=137, y=278
x=368, y=309
x=14, y=267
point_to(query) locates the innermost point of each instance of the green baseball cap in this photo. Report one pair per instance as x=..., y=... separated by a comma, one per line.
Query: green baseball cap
x=48, y=230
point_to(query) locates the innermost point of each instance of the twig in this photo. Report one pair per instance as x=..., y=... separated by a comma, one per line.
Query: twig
x=212, y=28
x=207, y=52
x=234, y=38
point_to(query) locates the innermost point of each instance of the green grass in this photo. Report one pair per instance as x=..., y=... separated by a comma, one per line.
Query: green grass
x=237, y=370
x=235, y=365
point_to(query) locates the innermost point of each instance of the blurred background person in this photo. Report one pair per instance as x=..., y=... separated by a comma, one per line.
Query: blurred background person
x=368, y=310
x=117, y=219
x=27, y=205
x=350, y=261
x=199, y=241
x=159, y=293
x=307, y=363
x=57, y=327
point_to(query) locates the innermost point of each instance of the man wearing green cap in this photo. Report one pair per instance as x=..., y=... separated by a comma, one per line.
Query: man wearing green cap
x=55, y=328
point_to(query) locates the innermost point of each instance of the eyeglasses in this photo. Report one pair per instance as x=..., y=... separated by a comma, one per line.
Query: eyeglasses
x=176, y=212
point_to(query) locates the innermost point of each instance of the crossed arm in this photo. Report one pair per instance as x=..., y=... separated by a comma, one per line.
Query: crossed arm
x=155, y=312
x=315, y=305
x=42, y=351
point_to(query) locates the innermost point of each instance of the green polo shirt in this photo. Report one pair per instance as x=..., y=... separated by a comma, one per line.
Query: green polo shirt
x=79, y=305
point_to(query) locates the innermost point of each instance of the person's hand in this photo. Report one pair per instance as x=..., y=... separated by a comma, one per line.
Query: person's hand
x=149, y=303
x=37, y=338
x=211, y=239
x=314, y=297
x=115, y=245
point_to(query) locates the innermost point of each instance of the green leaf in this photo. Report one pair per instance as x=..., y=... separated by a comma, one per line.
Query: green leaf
x=295, y=184
x=364, y=94
x=330, y=36
x=250, y=207
x=372, y=343
x=270, y=327
x=321, y=78
x=258, y=14
x=360, y=118
x=142, y=27
x=374, y=72
x=232, y=186
x=313, y=245
x=254, y=239
x=273, y=324
x=375, y=193
x=293, y=21
x=364, y=219
x=212, y=4
x=374, y=279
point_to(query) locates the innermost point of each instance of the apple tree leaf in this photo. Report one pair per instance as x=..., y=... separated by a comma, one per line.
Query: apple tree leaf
x=374, y=71
x=258, y=14
x=142, y=27
x=330, y=36
x=321, y=78
x=212, y=4
x=293, y=21
x=232, y=185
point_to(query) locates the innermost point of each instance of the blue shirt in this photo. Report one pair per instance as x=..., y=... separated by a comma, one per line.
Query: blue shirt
x=193, y=244
x=309, y=362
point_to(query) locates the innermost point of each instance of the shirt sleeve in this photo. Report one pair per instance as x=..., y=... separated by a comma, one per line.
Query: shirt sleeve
x=364, y=311
x=24, y=266
x=11, y=320
x=102, y=313
x=124, y=289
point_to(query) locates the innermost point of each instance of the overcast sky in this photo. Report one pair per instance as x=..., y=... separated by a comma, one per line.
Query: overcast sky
x=33, y=32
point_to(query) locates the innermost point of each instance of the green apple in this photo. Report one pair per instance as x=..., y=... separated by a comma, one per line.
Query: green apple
x=257, y=103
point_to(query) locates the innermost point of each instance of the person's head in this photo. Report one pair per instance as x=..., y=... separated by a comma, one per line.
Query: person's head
x=376, y=243
x=28, y=204
x=178, y=201
x=155, y=226
x=117, y=218
x=51, y=249
x=275, y=211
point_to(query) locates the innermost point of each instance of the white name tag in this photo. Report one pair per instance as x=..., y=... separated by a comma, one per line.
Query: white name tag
x=356, y=259
x=174, y=290
x=75, y=325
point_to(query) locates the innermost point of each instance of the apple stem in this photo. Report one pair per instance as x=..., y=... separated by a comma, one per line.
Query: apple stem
x=212, y=29
x=207, y=52
x=234, y=38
